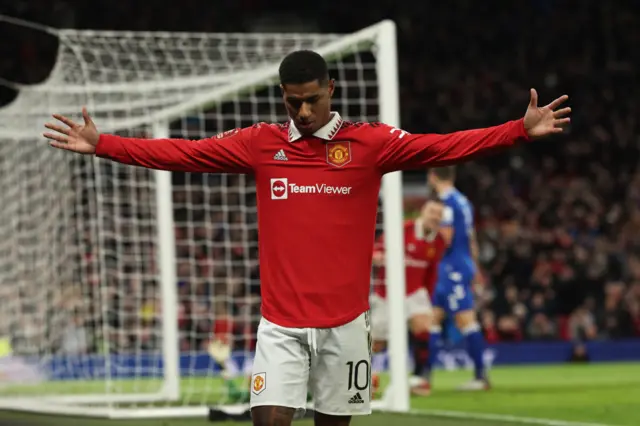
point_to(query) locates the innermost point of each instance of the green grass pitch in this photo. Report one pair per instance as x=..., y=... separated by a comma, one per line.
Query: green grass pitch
x=558, y=395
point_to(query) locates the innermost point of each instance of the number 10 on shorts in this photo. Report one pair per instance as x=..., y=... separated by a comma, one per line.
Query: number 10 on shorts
x=359, y=375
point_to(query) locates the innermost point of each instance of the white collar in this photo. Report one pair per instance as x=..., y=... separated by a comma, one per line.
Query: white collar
x=419, y=232
x=326, y=132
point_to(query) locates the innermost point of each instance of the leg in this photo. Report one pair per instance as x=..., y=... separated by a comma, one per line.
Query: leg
x=419, y=337
x=461, y=306
x=379, y=333
x=340, y=376
x=321, y=419
x=440, y=309
x=467, y=323
x=280, y=375
x=419, y=310
x=270, y=415
x=435, y=339
x=378, y=347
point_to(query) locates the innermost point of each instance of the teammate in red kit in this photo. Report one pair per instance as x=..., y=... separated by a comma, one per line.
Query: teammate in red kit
x=317, y=183
x=423, y=249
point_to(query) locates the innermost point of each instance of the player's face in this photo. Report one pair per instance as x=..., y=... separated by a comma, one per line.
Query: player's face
x=432, y=179
x=308, y=104
x=432, y=215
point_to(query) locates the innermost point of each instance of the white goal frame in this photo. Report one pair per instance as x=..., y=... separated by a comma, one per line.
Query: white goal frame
x=396, y=398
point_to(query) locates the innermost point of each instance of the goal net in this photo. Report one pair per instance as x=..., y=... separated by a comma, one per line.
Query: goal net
x=127, y=292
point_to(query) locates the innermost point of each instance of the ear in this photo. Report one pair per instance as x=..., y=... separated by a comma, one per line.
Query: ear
x=282, y=89
x=331, y=87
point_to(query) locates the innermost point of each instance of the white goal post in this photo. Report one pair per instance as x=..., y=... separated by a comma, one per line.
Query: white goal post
x=116, y=281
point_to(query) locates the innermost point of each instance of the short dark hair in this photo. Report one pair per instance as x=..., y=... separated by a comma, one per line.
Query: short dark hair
x=303, y=66
x=445, y=173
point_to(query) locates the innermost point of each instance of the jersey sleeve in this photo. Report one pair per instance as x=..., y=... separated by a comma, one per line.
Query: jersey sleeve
x=404, y=151
x=228, y=152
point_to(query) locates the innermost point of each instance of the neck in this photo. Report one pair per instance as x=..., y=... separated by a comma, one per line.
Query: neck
x=325, y=122
x=443, y=187
x=320, y=125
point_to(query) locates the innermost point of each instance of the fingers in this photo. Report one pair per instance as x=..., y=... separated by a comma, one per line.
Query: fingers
x=69, y=122
x=60, y=145
x=85, y=116
x=57, y=128
x=556, y=103
x=56, y=137
x=561, y=112
x=558, y=125
x=533, y=102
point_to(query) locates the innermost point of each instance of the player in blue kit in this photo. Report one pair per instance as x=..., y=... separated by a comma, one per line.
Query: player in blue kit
x=453, y=296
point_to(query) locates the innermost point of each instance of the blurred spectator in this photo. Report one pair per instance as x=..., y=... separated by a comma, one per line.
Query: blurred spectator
x=579, y=353
x=541, y=328
x=582, y=325
x=75, y=339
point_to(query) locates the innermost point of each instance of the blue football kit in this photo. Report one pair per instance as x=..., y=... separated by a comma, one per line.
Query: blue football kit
x=453, y=291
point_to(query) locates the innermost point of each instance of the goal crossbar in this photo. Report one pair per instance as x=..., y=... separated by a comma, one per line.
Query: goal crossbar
x=210, y=90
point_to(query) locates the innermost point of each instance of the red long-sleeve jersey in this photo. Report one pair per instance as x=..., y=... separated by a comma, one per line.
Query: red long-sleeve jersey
x=422, y=253
x=317, y=200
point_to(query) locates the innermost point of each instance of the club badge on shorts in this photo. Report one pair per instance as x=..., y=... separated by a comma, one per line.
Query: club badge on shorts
x=338, y=153
x=258, y=383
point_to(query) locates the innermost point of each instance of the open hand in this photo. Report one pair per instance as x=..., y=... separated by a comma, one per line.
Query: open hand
x=547, y=120
x=80, y=138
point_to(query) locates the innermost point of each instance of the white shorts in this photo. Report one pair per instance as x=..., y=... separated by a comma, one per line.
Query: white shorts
x=417, y=303
x=334, y=364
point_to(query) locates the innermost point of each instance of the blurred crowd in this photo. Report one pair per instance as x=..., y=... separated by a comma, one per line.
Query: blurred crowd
x=558, y=221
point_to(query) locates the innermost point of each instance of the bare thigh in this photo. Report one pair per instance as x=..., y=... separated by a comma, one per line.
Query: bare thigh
x=465, y=318
x=321, y=419
x=269, y=415
x=438, y=316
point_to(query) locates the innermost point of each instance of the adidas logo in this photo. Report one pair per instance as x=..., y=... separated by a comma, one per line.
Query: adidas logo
x=280, y=156
x=356, y=399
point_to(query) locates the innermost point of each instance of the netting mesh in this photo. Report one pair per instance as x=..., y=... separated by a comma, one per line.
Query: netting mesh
x=79, y=285
x=126, y=78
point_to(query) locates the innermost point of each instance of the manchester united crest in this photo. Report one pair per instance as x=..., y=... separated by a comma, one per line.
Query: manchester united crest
x=259, y=383
x=338, y=153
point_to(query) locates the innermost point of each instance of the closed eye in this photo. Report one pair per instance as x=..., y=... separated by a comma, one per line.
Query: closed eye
x=297, y=102
x=294, y=103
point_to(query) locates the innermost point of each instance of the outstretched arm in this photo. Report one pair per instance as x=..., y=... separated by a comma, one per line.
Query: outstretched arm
x=229, y=152
x=403, y=151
